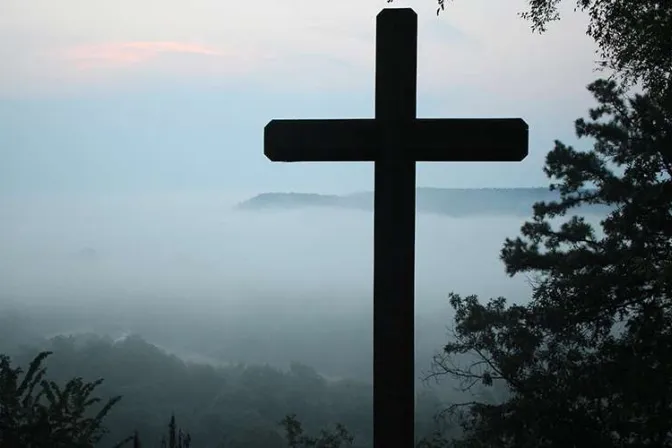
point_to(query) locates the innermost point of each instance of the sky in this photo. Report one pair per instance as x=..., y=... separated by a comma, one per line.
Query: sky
x=165, y=96
x=128, y=127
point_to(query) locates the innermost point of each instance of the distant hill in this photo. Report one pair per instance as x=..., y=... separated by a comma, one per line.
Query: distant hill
x=444, y=201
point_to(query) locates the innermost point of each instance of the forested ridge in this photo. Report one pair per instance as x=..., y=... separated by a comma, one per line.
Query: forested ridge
x=227, y=406
x=455, y=202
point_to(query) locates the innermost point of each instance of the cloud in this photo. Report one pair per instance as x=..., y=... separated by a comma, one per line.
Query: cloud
x=128, y=53
x=285, y=45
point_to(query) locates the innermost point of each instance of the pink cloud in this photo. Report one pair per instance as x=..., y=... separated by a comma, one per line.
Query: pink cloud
x=128, y=53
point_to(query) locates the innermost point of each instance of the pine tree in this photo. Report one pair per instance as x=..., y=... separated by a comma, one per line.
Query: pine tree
x=176, y=438
x=588, y=360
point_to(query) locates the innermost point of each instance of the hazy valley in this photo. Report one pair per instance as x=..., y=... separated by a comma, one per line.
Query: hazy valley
x=213, y=284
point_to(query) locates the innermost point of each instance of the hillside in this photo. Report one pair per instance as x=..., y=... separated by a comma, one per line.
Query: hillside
x=445, y=201
x=220, y=406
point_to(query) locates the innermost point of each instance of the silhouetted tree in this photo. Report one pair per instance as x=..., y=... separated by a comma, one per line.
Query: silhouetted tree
x=35, y=412
x=176, y=438
x=588, y=360
x=136, y=440
x=327, y=439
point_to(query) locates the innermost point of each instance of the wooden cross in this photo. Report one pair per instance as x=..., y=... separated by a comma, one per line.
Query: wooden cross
x=395, y=140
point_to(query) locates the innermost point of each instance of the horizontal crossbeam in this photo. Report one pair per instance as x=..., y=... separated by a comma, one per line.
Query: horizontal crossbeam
x=422, y=140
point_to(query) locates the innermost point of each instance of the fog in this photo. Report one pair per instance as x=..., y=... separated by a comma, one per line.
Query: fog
x=190, y=273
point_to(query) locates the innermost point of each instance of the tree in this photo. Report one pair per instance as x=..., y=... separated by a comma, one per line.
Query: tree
x=634, y=36
x=588, y=360
x=327, y=439
x=53, y=417
x=176, y=438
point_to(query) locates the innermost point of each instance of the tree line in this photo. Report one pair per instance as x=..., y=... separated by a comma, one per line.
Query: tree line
x=92, y=391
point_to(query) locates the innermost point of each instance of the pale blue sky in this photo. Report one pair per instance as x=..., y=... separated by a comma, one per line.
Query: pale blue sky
x=166, y=95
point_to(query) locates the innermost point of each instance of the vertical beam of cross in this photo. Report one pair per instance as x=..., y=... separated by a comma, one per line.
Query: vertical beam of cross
x=394, y=233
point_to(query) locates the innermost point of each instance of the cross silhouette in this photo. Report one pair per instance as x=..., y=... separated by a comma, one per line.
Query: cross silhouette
x=395, y=140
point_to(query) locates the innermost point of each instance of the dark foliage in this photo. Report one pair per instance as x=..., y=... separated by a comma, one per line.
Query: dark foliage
x=229, y=407
x=36, y=412
x=588, y=360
